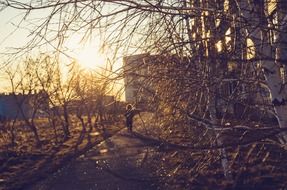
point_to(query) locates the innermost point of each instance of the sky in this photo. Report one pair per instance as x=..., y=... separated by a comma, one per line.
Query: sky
x=11, y=36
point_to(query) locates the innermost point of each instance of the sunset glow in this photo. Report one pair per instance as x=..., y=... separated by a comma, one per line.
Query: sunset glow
x=86, y=52
x=90, y=58
x=143, y=94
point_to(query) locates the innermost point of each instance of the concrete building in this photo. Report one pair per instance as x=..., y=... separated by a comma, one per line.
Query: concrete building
x=142, y=73
x=145, y=73
x=135, y=71
x=21, y=106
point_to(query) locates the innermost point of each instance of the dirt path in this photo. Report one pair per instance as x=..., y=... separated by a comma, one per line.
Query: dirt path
x=117, y=163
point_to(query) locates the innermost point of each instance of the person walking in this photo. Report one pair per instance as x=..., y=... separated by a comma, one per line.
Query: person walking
x=130, y=113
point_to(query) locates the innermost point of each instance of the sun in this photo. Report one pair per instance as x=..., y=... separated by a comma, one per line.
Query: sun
x=87, y=53
x=90, y=58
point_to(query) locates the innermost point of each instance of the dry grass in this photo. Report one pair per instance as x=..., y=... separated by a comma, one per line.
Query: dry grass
x=25, y=163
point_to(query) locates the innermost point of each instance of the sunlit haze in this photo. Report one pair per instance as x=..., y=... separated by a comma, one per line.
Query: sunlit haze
x=90, y=58
x=87, y=53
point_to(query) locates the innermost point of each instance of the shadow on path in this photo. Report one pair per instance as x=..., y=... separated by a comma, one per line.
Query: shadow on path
x=116, y=163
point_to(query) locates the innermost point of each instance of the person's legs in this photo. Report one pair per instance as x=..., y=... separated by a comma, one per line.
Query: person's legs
x=129, y=125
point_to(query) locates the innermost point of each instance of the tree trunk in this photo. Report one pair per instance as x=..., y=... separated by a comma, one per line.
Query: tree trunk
x=66, y=122
x=266, y=52
x=215, y=73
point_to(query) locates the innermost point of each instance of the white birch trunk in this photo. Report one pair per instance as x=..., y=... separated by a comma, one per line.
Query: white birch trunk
x=270, y=67
x=280, y=103
x=224, y=160
x=277, y=91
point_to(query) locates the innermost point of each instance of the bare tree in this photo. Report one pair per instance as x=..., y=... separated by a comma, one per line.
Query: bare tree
x=24, y=82
x=215, y=62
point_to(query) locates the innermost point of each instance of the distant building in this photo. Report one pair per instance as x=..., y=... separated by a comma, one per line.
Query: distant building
x=19, y=106
x=135, y=71
x=104, y=103
x=142, y=73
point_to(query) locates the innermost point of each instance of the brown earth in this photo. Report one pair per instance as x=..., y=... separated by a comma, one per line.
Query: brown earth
x=26, y=163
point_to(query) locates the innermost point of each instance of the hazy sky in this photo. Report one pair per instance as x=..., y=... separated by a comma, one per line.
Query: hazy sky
x=13, y=36
x=10, y=35
x=8, y=38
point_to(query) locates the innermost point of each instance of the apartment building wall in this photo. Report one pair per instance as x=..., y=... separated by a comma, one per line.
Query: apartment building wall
x=135, y=71
x=21, y=105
